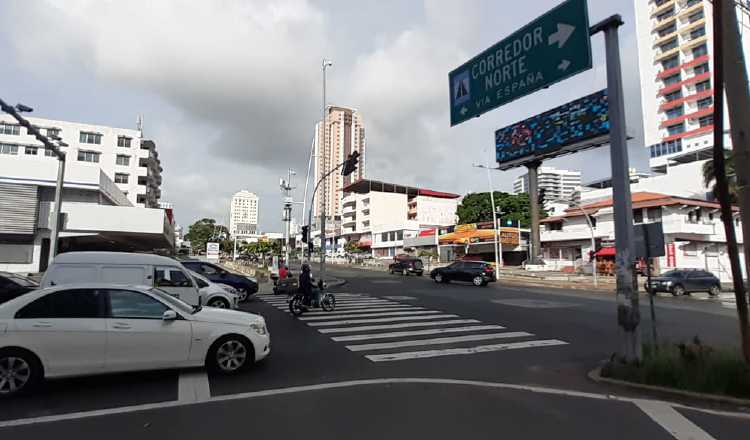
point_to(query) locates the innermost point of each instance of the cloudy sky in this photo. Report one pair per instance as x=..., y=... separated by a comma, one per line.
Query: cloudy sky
x=231, y=89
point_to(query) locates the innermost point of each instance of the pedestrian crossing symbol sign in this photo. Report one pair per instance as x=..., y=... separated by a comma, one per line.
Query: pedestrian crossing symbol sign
x=461, y=90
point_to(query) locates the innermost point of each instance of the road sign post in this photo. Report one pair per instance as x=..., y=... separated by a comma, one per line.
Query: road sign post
x=550, y=49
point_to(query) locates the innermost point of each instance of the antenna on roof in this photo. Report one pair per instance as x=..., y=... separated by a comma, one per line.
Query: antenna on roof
x=139, y=124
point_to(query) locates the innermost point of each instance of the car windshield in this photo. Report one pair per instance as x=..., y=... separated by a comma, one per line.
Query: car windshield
x=175, y=303
x=672, y=273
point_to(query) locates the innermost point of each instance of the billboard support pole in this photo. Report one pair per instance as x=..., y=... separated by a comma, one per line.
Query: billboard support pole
x=628, y=312
x=533, y=168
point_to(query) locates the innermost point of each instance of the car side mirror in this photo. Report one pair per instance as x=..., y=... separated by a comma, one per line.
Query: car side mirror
x=169, y=315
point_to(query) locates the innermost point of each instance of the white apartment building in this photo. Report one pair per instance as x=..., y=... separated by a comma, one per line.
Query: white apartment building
x=107, y=172
x=344, y=134
x=693, y=233
x=243, y=213
x=378, y=216
x=128, y=159
x=557, y=184
x=675, y=57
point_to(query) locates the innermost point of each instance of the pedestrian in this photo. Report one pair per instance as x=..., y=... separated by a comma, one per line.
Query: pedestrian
x=283, y=272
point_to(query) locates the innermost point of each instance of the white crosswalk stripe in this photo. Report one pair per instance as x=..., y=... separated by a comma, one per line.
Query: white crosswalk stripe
x=399, y=326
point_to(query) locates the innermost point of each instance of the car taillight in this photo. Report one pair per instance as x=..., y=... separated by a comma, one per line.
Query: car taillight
x=488, y=269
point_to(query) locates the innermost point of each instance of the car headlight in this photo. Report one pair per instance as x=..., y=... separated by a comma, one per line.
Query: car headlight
x=259, y=327
x=667, y=283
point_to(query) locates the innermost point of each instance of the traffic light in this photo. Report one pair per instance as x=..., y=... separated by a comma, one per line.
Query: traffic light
x=350, y=164
x=305, y=233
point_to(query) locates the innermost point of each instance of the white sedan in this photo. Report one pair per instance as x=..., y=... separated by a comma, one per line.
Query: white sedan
x=84, y=329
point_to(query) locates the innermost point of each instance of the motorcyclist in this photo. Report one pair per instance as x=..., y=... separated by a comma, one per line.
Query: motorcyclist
x=306, y=283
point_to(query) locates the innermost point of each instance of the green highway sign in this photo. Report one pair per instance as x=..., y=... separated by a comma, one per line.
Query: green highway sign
x=551, y=48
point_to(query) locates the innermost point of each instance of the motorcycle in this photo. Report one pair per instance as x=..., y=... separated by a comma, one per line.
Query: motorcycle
x=321, y=299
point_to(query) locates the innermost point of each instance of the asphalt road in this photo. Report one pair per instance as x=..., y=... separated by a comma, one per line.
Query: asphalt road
x=403, y=356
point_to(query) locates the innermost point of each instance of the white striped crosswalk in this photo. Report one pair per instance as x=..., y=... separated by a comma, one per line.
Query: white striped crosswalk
x=384, y=330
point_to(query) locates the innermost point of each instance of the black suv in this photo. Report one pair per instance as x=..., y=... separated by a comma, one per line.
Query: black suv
x=13, y=285
x=681, y=281
x=478, y=273
x=407, y=266
x=246, y=286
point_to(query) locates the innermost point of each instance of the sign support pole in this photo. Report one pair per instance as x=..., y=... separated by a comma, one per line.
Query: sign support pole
x=536, y=247
x=628, y=312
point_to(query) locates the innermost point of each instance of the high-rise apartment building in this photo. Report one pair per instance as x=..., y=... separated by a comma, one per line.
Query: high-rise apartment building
x=343, y=134
x=243, y=213
x=675, y=49
x=556, y=184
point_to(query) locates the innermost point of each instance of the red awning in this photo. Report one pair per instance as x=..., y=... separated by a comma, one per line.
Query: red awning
x=606, y=252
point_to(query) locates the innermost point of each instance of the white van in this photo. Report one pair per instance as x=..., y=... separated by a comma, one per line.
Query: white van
x=125, y=268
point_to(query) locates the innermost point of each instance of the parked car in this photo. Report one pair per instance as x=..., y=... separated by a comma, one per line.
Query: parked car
x=683, y=281
x=478, y=273
x=245, y=285
x=13, y=285
x=84, y=329
x=406, y=266
x=221, y=296
x=123, y=268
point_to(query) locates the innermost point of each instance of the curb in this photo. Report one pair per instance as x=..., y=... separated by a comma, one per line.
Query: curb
x=595, y=375
x=336, y=283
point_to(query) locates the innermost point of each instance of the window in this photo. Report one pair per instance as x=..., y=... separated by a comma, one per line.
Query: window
x=703, y=85
x=676, y=129
x=554, y=226
x=669, y=45
x=49, y=153
x=77, y=303
x=654, y=214
x=53, y=132
x=668, y=30
x=393, y=236
x=90, y=138
x=8, y=149
x=384, y=236
x=665, y=15
x=705, y=102
x=30, y=150
x=699, y=51
x=692, y=18
x=88, y=156
x=638, y=216
x=123, y=141
x=697, y=33
x=671, y=62
x=400, y=235
x=208, y=269
x=123, y=160
x=672, y=79
x=7, y=128
x=701, y=69
x=673, y=96
x=692, y=3
x=705, y=121
x=121, y=178
x=675, y=112
x=134, y=305
x=171, y=277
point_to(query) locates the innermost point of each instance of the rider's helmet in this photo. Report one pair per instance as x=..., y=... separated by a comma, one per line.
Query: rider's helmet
x=305, y=267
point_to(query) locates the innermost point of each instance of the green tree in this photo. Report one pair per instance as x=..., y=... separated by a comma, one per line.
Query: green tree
x=352, y=247
x=205, y=230
x=709, y=175
x=477, y=207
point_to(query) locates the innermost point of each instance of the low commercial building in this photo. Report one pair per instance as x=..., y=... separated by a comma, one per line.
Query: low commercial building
x=380, y=216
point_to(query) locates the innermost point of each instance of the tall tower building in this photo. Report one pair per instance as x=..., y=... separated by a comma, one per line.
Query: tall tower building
x=557, y=184
x=675, y=57
x=243, y=215
x=343, y=133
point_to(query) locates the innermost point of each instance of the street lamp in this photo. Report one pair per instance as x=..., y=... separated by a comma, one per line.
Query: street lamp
x=498, y=246
x=326, y=64
x=591, y=228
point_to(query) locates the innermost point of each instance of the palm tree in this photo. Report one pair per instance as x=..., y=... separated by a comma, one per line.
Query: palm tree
x=709, y=175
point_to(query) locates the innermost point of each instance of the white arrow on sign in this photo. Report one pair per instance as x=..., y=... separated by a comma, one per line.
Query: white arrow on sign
x=463, y=110
x=564, y=31
x=564, y=64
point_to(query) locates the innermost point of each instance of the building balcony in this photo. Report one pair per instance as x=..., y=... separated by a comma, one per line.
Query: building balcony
x=690, y=44
x=350, y=214
x=690, y=133
x=691, y=26
x=695, y=115
x=570, y=235
x=669, y=72
x=685, y=11
x=657, y=26
x=694, y=97
x=666, y=54
x=676, y=86
x=661, y=40
x=351, y=223
x=685, y=227
x=656, y=10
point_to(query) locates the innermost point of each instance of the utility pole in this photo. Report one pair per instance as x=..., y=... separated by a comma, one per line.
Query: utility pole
x=536, y=247
x=498, y=246
x=628, y=311
x=725, y=27
x=286, y=187
x=321, y=150
x=57, y=204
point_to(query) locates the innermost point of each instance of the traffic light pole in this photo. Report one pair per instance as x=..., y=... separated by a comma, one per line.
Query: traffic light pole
x=312, y=203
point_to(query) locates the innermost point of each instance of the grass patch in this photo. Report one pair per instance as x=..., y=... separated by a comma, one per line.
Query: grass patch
x=686, y=366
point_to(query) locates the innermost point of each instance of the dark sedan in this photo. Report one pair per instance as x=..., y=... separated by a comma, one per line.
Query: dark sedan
x=14, y=285
x=245, y=286
x=683, y=281
x=478, y=273
x=407, y=266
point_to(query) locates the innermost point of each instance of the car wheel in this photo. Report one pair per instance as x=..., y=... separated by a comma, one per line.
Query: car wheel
x=19, y=372
x=242, y=294
x=219, y=303
x=715, y=290
x=478, y=281
x=230, y=354
x=438, y=278
x=678, y=290
x=419, y=274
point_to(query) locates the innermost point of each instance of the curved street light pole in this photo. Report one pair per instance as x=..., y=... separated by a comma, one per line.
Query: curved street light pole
x=593, y=238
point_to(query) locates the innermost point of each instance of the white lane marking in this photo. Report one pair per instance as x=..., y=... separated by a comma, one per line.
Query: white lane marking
x=459, y=351
x=192, y=386
x=399, y=297
x=366, y=315
x=364, y=328
x=370, y=306
x=358, y=310
x=534, y=303
x=672, y=421
x=436, y=341
x=431, y=331
x=374, y=320
x=351, y=384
